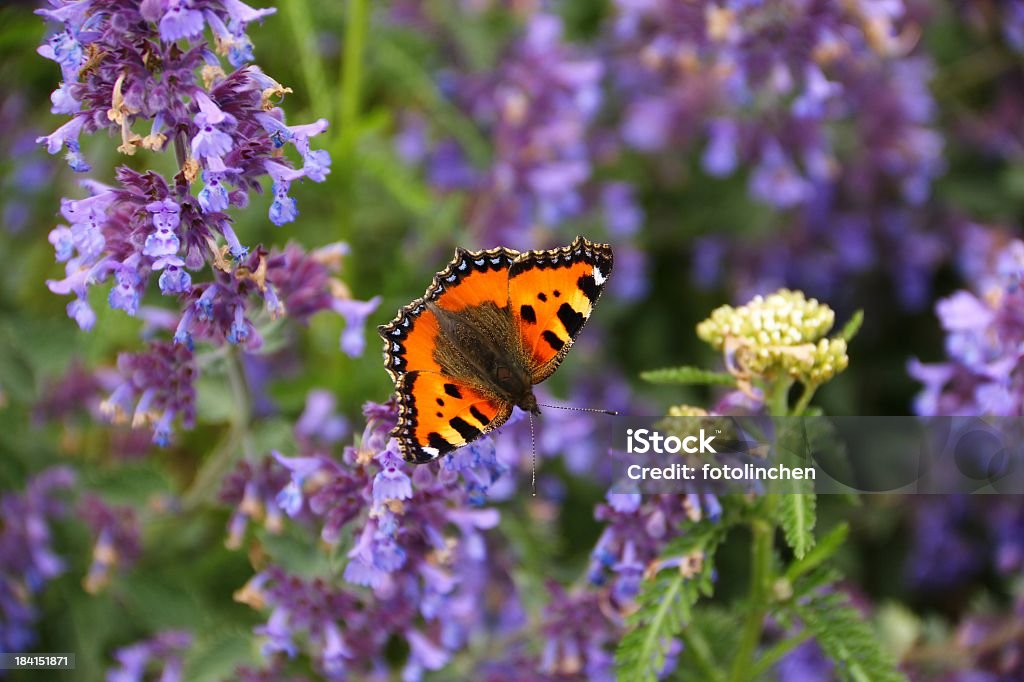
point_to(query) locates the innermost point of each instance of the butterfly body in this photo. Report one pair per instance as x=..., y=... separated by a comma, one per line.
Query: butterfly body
x=491, y=326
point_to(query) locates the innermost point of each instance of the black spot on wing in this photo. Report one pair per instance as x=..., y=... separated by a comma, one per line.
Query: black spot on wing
x=478, y=415
x=589, y=287
x=542, y=297
x=465, y=429
x=453, y=391
x=553, y=340
x=527, y=313
x=440, y=402
x=571, y=319
x=556, y=293
x=436, y=441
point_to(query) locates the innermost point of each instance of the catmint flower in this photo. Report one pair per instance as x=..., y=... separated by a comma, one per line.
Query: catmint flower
x=117, y=541
x=391, y=482
x=161, y=79
x=983, y=342
x=163, y=653
x=27, y=557
x=180, y=21
x=174, y=279
x=353, y=339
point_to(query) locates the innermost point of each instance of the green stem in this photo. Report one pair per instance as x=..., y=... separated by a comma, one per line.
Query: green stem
x=777, y=397
x=349, y=103
x=237, y=440
x=805, y=399
x=760, y=590
x=697, y=645
x=776, y=653
x=298, y=15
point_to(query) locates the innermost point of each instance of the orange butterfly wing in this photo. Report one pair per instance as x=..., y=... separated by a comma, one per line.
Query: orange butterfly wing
x=437, y=414
x=551, y=294
x=427, y=428
x=472, y=278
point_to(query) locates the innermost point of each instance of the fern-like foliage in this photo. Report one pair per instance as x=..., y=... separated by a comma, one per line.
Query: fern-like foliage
x=797, y=517
x=665, y=604
x=846, y=638
x=796, y=509
x=688, y=375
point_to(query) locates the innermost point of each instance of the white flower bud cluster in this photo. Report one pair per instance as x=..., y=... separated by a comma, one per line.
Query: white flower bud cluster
x=782, y=333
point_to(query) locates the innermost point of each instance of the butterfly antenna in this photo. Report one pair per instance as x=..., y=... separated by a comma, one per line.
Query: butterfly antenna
x=580, y=409
x=533, y=446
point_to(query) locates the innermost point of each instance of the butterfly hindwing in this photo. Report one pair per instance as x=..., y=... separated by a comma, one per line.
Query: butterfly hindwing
x=551, y=294
x=472, y=278
x=437, y=414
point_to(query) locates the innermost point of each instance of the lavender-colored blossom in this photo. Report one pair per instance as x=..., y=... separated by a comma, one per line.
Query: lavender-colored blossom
x=117, y=540
x=254, y=491
x=28, y=560
x=985, y=336
x=353, y=339
x=162, y=653
x=160, y=77
x=156, y=387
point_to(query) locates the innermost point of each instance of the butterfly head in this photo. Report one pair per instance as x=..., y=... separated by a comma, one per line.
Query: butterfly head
x=529, y=403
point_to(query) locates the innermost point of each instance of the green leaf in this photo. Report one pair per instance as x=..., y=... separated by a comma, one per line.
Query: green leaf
x=824, y=549
x=852, y=326
x=665, y=604
x=798, y=503
x=217, y=654
x=846, y=638
x=797, y=515
x=688, y=375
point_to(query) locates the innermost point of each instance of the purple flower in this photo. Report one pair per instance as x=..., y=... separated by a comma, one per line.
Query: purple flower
x=391, y=482
x=174, y=279
x=985, y=335
x=124, y=295
x=720, y=156
x=163, y=653
x=319, y=420
x=180, y=21
x=353, y=339
x=67, y=137
x=210, y=141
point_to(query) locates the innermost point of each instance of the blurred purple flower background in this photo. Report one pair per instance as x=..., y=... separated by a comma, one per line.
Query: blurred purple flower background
x=198, y=479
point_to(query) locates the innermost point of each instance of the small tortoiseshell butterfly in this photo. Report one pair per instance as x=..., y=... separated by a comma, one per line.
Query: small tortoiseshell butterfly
x=491, y=325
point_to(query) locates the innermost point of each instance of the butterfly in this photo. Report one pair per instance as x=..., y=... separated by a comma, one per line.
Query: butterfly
x=491, y=326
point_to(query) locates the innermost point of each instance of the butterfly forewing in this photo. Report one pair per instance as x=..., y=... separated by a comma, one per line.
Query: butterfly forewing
x=552, y=294
x=472, y=278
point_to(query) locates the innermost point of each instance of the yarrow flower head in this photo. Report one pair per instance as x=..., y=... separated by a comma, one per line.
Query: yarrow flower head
x=778, y=335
